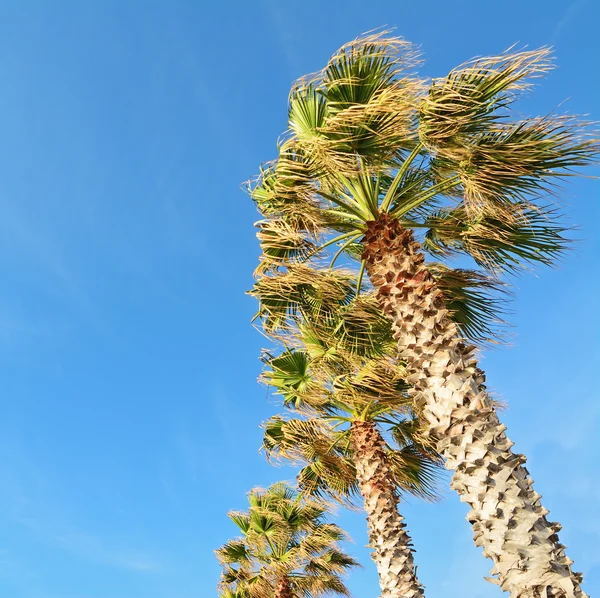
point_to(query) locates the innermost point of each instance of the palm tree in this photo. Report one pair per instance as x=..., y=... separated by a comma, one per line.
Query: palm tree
x=286, y=550
x=337, y=374
x=372, y=154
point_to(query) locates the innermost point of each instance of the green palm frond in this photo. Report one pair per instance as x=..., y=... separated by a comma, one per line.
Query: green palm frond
x=362, y=103
x=317, y=343
x=373, y=387
x=297, y=439
x=234, y=551
x=406, y=199
x=416, y=472
x=311, y=586
x=471, y=97
x=532, y=236
x=365, y=66
x=325, y=478
x=289, y=376
x=307, y=112
x=371, y=98
x=358, y=329
x=241, y=520
x=332, y=560
x=473, y=299
x=363, y=330
x=520, y=161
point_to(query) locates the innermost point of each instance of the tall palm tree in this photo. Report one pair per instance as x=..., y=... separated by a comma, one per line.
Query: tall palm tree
x=286, y=550
x=337, y=374
x=372, y=154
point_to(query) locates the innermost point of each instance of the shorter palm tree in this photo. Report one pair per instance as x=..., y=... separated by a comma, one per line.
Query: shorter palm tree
x=286, y=550
x=353, y=428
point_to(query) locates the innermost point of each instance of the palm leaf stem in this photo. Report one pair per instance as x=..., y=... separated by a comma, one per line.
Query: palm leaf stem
x=361, y=273
x=389, y=196
x=428, y=194
x=342, y=204
x=341, y=249
x=331, y=242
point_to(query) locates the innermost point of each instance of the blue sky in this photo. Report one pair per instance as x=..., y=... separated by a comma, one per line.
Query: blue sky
x=130, y=407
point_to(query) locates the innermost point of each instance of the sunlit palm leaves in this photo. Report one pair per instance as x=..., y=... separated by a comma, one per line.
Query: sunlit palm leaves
x=331, y=372
x=475, y=95
x=475, y=301
x=284, y=536
x=364, y=100
x=531, y=235
x=366, y=137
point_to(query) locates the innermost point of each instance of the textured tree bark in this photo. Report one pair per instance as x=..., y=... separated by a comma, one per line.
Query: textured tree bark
x=389, y=540
x=283, y=589
x=508, y=521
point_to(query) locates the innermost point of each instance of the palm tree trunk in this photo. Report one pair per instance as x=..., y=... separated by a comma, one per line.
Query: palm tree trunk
x=389, y=540
x=508, y=521
x=283, y=589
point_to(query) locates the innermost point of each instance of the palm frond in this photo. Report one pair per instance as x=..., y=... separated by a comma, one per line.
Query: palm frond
x=416, y=472
x=284, y=190
x=474, y=300
x=281, y=245
x=234, y=551
x=364, y=66
x=522, y=160
x=289, y=376
x=363, y=103
x=471, y=98
x=531, y=235
x=356, y=329
x=301, y=288
x=307, y=112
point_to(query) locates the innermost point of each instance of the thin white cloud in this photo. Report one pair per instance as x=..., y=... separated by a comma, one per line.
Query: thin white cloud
x=93, y=549
x=568, y=17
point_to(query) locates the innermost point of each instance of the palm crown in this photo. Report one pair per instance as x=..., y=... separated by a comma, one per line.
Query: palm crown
x=368, y=138
x=284, y=537
x=338, y=365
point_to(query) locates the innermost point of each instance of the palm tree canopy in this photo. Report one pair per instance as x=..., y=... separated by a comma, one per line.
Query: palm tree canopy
x=368, y=137
x=283, y=535
x=337, y=365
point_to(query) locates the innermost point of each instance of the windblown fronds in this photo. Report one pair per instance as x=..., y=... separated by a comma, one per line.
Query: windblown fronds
x=325, y=451
x=364, y=102
x=531, y=235
x=473, y=299
x=301, y=289
x=333, y=371
x=521, y=161
x=283, y=537
x=367, y=137
x=474, y=96
x=281, y=245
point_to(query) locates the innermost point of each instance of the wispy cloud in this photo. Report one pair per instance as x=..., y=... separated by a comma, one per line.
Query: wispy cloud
x=93, y=549
x=568, y=17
